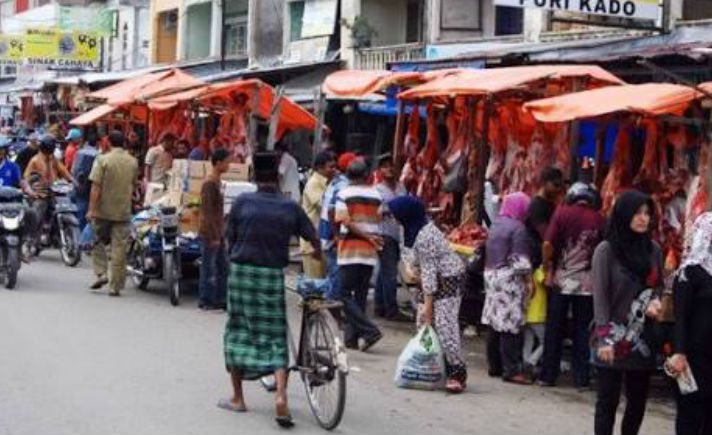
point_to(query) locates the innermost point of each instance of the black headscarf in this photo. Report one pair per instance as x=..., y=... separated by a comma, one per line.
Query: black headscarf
x=632, y=249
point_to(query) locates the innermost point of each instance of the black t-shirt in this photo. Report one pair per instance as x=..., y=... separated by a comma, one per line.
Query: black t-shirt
x=23, y=158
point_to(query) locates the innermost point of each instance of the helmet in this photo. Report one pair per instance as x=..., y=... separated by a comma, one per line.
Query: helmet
x=48, y=143
x=583, y=192
x=74, y=135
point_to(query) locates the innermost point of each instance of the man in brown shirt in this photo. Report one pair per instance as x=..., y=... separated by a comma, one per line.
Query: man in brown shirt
x=213, y=267
x=113, y=177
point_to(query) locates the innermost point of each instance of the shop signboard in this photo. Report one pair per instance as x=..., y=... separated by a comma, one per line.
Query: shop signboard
x=12, y=49
x=58, y=49
x=629, y=9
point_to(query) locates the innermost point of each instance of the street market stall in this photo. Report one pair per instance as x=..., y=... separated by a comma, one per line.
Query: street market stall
x=489, y=137
x=670, y=120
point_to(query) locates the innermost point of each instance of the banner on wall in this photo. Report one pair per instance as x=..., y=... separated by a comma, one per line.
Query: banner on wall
x=59, y=49
x=94, y=18
x=12, y=49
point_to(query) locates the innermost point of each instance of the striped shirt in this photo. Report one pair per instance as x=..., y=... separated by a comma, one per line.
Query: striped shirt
x=361, y=206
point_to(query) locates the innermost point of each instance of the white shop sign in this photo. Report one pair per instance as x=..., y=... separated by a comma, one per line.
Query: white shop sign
x=635, y=9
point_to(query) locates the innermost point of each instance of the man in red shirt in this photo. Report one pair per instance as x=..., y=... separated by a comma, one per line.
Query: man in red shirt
x=74, y=140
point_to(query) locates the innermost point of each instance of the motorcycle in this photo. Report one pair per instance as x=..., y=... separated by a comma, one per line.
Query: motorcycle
x=12, y=215
x=158, y=251
x=60, y=228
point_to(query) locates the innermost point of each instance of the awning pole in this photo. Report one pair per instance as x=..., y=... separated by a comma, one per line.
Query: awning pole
x=398, y=140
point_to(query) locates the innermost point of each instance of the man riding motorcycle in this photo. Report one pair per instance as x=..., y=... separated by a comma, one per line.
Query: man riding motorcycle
x=43, y=170
x=10, y=176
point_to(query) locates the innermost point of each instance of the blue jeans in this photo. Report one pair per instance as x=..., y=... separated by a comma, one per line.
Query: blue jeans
x=213, y=275
x=332, y=274
x=556, y=319
x=82, y=208
x=387, y=282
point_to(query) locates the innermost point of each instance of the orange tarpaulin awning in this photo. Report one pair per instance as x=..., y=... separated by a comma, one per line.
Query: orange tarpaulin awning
x=357, y=83
x=650, y=99
x=150, y=85
x=93, y=115
x=495, y=80
x=292, y=115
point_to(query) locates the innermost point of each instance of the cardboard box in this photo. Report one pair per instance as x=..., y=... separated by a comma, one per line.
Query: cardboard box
x=197, y=169
x=195, y=186
x=180, y=167
x=173, y=199
x=237, y=172
x=154, y=192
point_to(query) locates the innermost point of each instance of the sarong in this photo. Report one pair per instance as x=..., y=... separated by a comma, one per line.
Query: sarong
x=255, y=340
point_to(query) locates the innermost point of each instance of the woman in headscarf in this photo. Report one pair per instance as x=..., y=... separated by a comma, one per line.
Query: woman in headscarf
x=693, y=329
x=441, y=280
x=508, y=271
x=627, y=282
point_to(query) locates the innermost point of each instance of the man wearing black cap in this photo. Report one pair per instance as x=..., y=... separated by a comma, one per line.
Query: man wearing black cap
x=259, y=229
x=359, y=214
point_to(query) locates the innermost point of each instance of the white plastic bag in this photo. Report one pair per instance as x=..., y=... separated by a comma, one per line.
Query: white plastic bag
x=421, y=365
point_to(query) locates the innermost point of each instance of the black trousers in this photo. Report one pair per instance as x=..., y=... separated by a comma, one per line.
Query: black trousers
x=504, y=353
x=694, y=415
x=610, y=381
x=354, y=281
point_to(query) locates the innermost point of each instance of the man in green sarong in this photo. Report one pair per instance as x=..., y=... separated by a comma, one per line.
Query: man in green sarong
x=259, y=228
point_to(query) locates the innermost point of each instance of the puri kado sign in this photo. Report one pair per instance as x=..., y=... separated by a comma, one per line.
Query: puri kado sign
x=633, y=9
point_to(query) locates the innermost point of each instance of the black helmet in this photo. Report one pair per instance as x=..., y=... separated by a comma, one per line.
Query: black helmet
x=48, y=143
x=587, y=193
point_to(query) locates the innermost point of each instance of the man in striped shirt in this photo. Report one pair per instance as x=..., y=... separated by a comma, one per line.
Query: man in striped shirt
x=359, y=214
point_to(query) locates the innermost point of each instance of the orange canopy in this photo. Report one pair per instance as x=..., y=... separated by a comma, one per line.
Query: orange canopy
x=356, y=83
x=495, y=80
x=93, y=115
x=222, y=95
x=147, y=86
x=650, y=99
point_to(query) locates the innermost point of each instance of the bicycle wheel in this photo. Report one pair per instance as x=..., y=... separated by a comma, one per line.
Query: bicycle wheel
x=324, y=374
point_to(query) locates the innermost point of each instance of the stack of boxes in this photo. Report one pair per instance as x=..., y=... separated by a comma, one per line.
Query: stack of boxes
x=186, y=181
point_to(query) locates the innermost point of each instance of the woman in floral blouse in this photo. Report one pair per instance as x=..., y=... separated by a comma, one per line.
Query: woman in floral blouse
x=508, y=272
x=441, y=279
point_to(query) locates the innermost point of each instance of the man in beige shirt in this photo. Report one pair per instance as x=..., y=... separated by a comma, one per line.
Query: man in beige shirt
x=113, y=178
x=159, y=160
x=324, y=167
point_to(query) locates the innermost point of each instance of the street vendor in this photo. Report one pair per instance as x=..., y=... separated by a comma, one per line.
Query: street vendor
x=159, y=160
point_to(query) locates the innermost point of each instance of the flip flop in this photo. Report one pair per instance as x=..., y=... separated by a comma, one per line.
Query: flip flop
x=229, y=405
x=285, y=421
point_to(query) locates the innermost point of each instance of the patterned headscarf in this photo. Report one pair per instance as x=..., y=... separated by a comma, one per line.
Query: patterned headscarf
x=515, y=206
x=698, y=246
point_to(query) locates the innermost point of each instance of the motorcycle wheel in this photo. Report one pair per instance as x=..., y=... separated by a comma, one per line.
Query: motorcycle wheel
x=172, y=278
x=13, y=266
x=69, y=248
x=135, y=261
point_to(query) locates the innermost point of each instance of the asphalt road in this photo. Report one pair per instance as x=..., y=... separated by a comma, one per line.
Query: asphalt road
x=73, y=362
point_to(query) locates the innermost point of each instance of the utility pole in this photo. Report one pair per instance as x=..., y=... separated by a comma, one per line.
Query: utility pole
x=222, y=35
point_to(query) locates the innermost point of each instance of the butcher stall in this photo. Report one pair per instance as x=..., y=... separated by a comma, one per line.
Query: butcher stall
x=661, y=147
x=488, y=137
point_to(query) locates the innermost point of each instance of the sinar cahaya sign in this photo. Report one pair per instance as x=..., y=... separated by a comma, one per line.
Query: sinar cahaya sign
x=634, y=9
x=62, y=49
x=53, y=48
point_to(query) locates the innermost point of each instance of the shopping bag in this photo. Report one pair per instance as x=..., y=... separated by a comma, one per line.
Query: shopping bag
x=88, y=238
x=421, y=365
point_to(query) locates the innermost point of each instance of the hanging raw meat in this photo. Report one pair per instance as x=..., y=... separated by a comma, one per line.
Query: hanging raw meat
x=561, y=147
x=429, y=180
x=409, y=176
x=541, y=154
x=617, y=173
x=697, y=201
x=648, y=175
x=514, y=176
x=498, y=149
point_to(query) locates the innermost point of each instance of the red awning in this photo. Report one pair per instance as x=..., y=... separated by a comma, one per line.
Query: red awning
x=93, y=115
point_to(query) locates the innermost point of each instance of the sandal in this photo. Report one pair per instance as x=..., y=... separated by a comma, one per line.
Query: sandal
x=285, y=421
x=228, y=405
x=454, y=386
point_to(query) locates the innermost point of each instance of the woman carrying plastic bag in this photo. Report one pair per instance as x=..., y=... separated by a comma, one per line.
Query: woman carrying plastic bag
x=440, y=291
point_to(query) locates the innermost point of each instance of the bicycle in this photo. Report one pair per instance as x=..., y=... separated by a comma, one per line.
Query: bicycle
x=321, y=361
